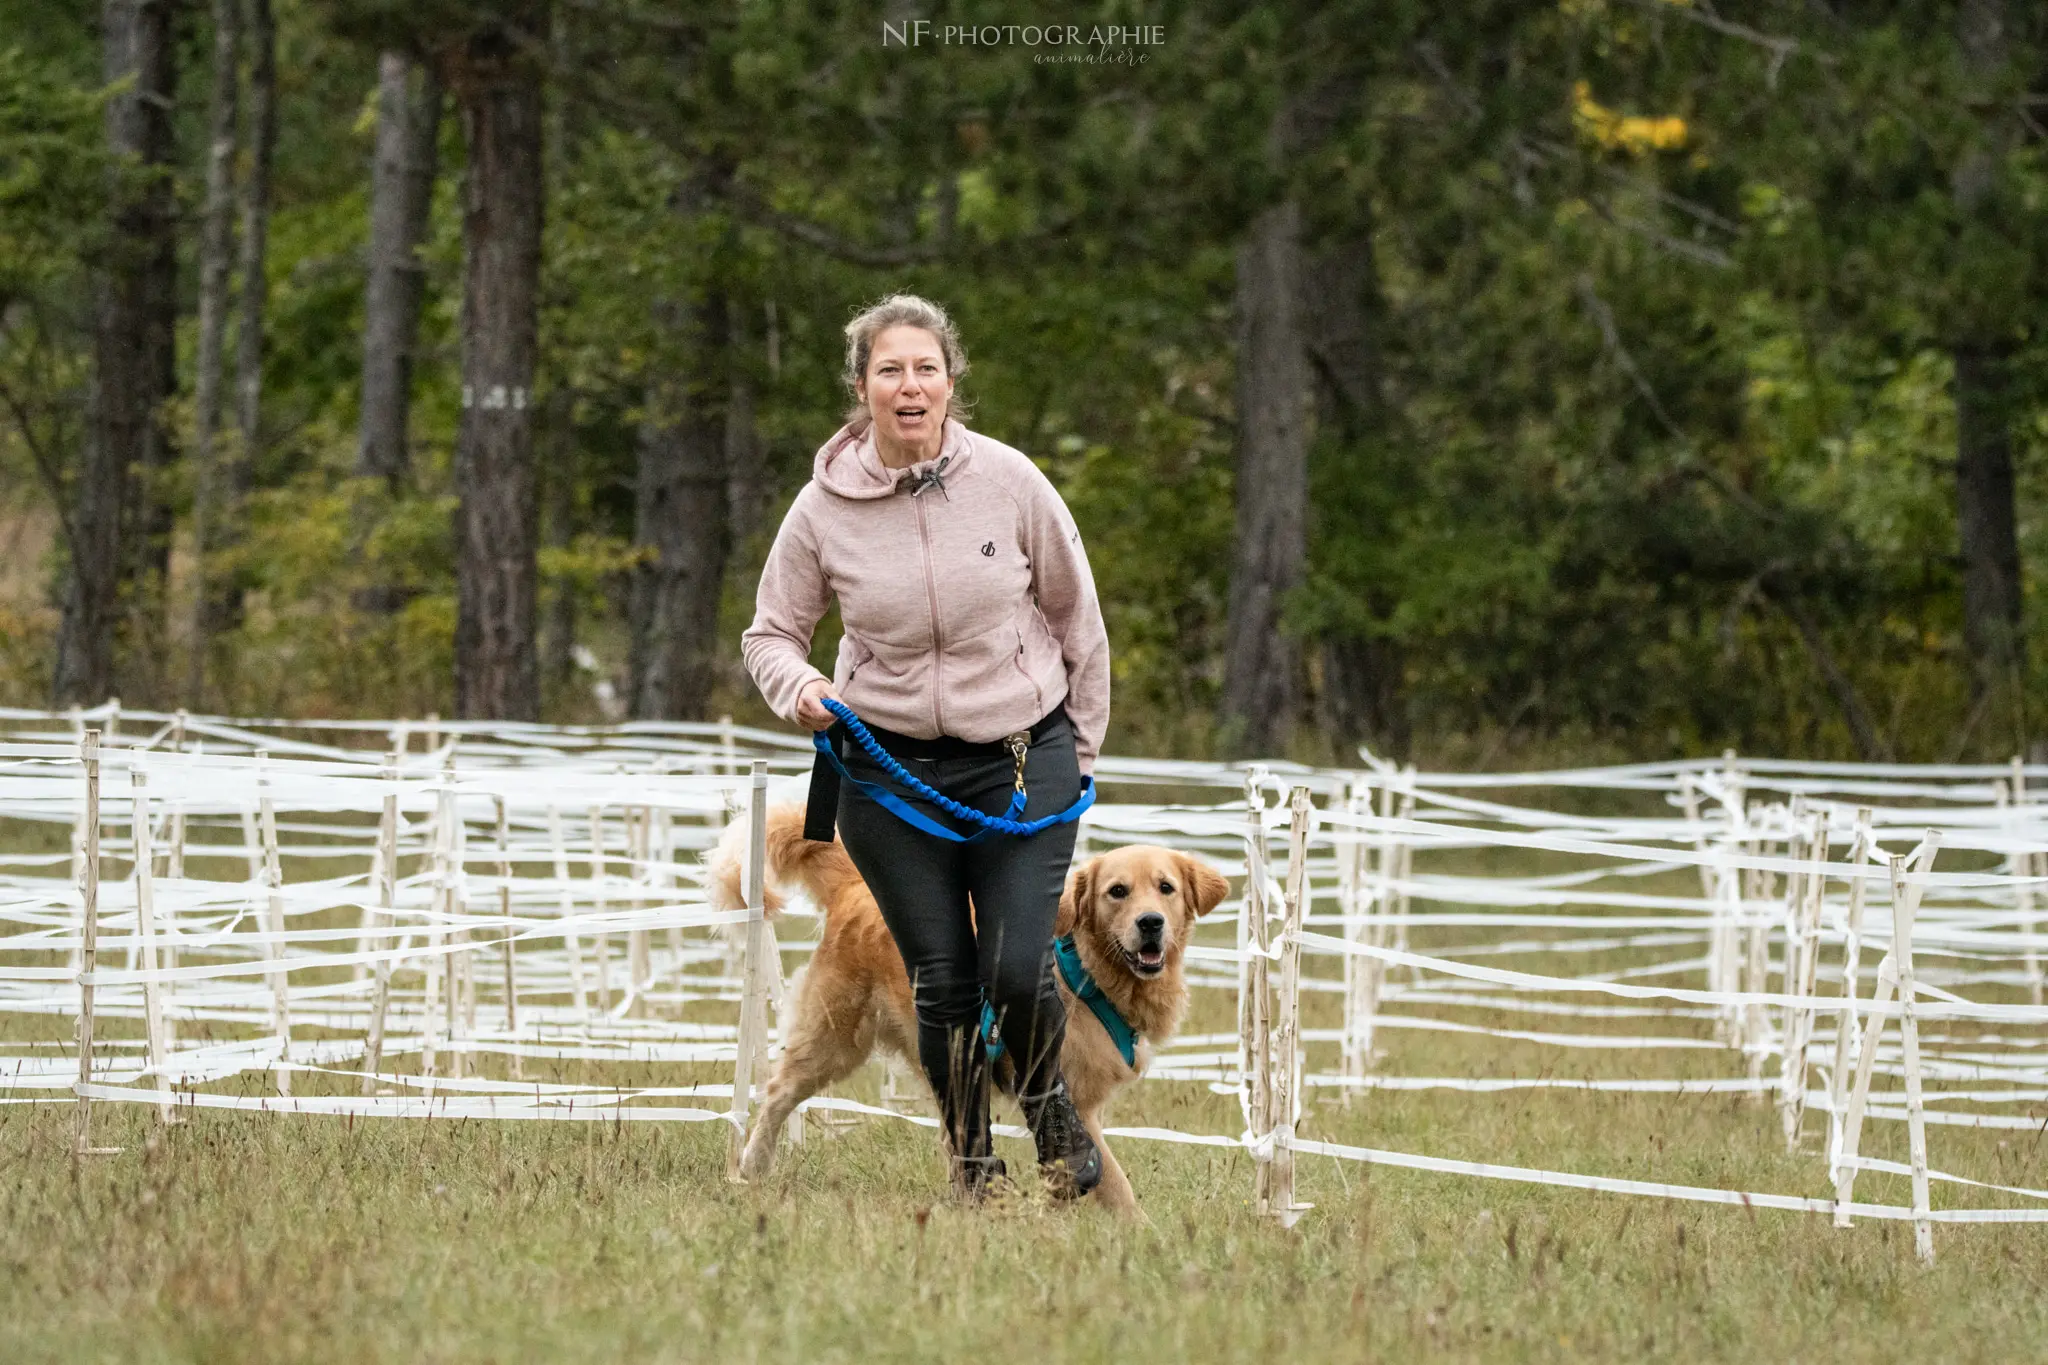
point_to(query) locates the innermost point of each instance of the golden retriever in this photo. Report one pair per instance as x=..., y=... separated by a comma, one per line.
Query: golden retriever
x=856, y=996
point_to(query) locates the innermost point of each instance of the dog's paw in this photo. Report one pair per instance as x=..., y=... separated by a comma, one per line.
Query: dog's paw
x=756, y=1159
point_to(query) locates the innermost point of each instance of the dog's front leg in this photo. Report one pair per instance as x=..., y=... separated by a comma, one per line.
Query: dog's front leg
x=781, y=1100
x=1114, y=1193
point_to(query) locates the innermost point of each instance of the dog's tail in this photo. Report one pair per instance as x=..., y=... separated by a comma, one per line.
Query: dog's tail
x=793, y=862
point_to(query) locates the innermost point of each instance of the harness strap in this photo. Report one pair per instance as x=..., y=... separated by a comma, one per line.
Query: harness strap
x=991, y=1035
x=1082, y=984
x=1090, y=994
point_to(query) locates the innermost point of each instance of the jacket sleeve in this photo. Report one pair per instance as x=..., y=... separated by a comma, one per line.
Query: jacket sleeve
x=1066, y=597
x=792, y=597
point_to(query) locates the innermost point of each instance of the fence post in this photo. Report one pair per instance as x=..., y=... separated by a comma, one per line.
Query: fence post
x=1859, y=1091
x=570, y=942
x=2025, y=864
x=1905, y=908
x=1380, y=932
x=1255, y=1052
x=88, y=845
x=1802, y=966
x=461, y=959
x=665, y=827
x=273, y=881
x=1287, y=1037
x=1731, y=884
x=1756, y=966
x=145, y=929
x=639, y=961
x=509, y=939
x=1404, y=864
x=437, y=966
x=1354, y=896
x=601, y=939
x=386, y=893
x=1890, y=978
x=753, y=1022
x=1689, y=799
x=1848, y=1029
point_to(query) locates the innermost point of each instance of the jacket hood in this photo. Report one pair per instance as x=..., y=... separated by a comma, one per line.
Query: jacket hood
x=849, y=465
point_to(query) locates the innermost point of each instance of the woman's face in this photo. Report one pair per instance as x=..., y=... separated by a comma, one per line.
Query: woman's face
x=906, y=387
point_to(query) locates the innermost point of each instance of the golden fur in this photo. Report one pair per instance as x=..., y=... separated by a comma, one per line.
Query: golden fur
x=855, y=995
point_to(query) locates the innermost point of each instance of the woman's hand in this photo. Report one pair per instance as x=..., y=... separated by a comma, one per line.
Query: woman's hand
x=809, y=710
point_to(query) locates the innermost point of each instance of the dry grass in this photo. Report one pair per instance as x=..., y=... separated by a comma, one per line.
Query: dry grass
x=248, y=1237
x=245, y=1237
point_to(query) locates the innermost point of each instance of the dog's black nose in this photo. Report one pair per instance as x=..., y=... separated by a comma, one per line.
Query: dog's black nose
x=1151, y=925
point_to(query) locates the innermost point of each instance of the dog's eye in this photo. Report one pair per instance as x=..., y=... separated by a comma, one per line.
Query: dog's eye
x=1119, y=891
x=1166, y=888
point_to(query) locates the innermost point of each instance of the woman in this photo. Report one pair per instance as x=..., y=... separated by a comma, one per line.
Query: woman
x=970, y=620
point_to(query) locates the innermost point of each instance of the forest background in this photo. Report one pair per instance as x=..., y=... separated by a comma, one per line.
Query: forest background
x=1486, y=383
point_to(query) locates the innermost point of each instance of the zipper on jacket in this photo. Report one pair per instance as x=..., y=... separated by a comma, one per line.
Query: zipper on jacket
x=1018, y=659
x=931, y=597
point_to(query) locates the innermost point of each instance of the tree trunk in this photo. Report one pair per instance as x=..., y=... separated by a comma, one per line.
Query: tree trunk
x=1986, y=521
x=680, y=523
x=401, y=199
x=216, y=252
x=1364, y=692
x=1261, y=661
x=128, y=380
x=256, y=232
x=496, y=670
x=155, y=516
x=558, y=632
x=402, y=172
x=225, y=605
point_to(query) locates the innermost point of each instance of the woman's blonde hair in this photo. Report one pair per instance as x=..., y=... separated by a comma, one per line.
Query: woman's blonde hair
x=902, y=310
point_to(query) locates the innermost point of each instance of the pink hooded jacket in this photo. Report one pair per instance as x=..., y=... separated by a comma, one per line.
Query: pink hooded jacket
x=966, y=597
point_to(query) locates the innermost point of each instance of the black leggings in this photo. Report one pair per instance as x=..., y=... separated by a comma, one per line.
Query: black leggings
x=922, y=884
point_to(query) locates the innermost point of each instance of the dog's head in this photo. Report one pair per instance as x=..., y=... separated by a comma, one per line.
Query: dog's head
x=1140, y=904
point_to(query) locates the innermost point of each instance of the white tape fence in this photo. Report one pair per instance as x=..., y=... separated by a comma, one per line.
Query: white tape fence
x=412, y=911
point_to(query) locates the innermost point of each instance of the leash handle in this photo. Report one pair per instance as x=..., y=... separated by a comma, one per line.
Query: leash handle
x=990, y=824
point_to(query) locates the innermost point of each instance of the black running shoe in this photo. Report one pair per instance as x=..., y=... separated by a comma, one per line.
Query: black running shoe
x=1067, y=1156
x=977, y=1178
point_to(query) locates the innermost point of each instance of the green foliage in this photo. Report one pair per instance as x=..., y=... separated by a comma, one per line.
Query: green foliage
x=52, y=173
x=1661, y=349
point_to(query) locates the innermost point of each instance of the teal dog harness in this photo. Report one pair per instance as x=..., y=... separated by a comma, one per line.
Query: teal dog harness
x=1068, y=959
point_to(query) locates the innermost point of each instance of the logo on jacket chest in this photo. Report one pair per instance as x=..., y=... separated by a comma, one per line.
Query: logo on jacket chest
x=988, y=550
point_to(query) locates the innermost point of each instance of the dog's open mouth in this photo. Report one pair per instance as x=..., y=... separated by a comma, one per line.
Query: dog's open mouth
x=1145, y=961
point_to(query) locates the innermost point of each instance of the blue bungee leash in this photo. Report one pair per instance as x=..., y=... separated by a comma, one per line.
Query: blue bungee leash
x=1006, y=823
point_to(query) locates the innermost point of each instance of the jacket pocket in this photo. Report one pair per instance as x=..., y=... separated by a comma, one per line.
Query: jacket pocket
x=862, y=656
x=1018, y=660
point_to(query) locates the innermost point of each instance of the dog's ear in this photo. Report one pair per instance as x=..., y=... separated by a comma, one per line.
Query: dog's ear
x=1077, y=901
x=1206, y=886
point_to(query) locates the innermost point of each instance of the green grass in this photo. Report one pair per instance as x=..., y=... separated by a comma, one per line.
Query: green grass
x=245, y=1237
x=251, y=1237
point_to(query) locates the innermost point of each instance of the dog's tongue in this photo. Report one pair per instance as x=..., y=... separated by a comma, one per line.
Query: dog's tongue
x=1151, y=956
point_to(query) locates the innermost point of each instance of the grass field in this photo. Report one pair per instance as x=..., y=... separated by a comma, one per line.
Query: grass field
x=251, y=1237
x=244, y=1237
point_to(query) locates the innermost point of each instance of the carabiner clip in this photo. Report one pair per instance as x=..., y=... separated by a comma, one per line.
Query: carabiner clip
x=1019, y=743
